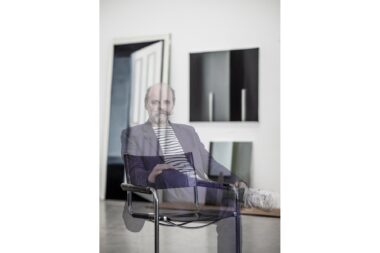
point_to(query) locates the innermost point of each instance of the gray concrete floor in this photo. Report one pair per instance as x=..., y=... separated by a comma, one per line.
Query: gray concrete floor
x=260, y=235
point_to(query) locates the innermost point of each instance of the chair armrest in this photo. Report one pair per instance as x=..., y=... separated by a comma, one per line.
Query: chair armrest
x=223, y=186
x=135, y=188
x=216, y=185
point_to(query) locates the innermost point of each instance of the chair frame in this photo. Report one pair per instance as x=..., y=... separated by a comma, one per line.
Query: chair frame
x=130, y=188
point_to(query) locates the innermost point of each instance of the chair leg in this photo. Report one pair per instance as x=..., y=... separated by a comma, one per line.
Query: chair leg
x=156, y=235
x=156, y=224
x=237, y=222
x=238, y=237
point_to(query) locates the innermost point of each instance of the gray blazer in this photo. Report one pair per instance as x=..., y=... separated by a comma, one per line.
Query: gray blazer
x=140, y=140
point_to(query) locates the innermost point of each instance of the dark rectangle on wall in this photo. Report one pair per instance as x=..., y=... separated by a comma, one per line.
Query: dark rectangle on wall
x=235, y=156
x=219, y=80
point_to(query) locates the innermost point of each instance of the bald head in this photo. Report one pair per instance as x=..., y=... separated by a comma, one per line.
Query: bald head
x=159, y=102
x=159, y=87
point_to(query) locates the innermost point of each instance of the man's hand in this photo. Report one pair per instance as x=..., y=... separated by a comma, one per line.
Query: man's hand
x=241, y=188
x=241, y=184
x=157, y=170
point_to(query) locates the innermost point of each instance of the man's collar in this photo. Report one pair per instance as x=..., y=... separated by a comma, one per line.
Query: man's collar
x=149, y=124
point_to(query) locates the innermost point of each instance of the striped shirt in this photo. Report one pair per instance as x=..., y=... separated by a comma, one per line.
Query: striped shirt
x=172, y=150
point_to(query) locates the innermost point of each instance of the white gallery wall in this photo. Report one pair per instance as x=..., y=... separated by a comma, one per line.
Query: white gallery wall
x=197, y=26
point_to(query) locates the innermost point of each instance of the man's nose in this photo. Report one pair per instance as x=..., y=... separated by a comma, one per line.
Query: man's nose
x=162, y=106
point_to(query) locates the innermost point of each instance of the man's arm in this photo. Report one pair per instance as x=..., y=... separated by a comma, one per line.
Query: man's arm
x=138, y=174
x=136, y=171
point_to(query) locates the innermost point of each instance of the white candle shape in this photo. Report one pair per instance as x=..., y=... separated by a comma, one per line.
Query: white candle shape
x=210, y=106
x=243, y=104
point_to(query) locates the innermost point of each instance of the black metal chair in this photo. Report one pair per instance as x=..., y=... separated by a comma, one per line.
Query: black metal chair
x=137, y=169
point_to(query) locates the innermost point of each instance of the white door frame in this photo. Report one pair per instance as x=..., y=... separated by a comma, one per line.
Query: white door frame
x=166, y=38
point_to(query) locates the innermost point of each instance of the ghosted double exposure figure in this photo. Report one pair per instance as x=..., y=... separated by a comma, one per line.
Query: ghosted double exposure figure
x=168, y=156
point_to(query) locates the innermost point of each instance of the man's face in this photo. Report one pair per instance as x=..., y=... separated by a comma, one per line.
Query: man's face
x=159, y=105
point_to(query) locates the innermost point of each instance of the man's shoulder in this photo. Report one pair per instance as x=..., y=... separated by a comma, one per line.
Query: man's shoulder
x=133, y=130
x=182, y=126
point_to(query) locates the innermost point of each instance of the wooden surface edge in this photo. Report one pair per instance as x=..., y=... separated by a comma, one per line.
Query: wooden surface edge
x=275, y=212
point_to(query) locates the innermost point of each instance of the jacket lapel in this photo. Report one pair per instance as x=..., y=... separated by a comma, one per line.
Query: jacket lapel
x=187, y=143
x=151, y=140
x=182, y=137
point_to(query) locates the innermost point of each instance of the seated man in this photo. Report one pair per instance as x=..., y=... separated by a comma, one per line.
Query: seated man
x=161, y=138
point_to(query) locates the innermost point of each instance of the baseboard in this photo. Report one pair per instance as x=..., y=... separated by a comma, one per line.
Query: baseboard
x=258, y=212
